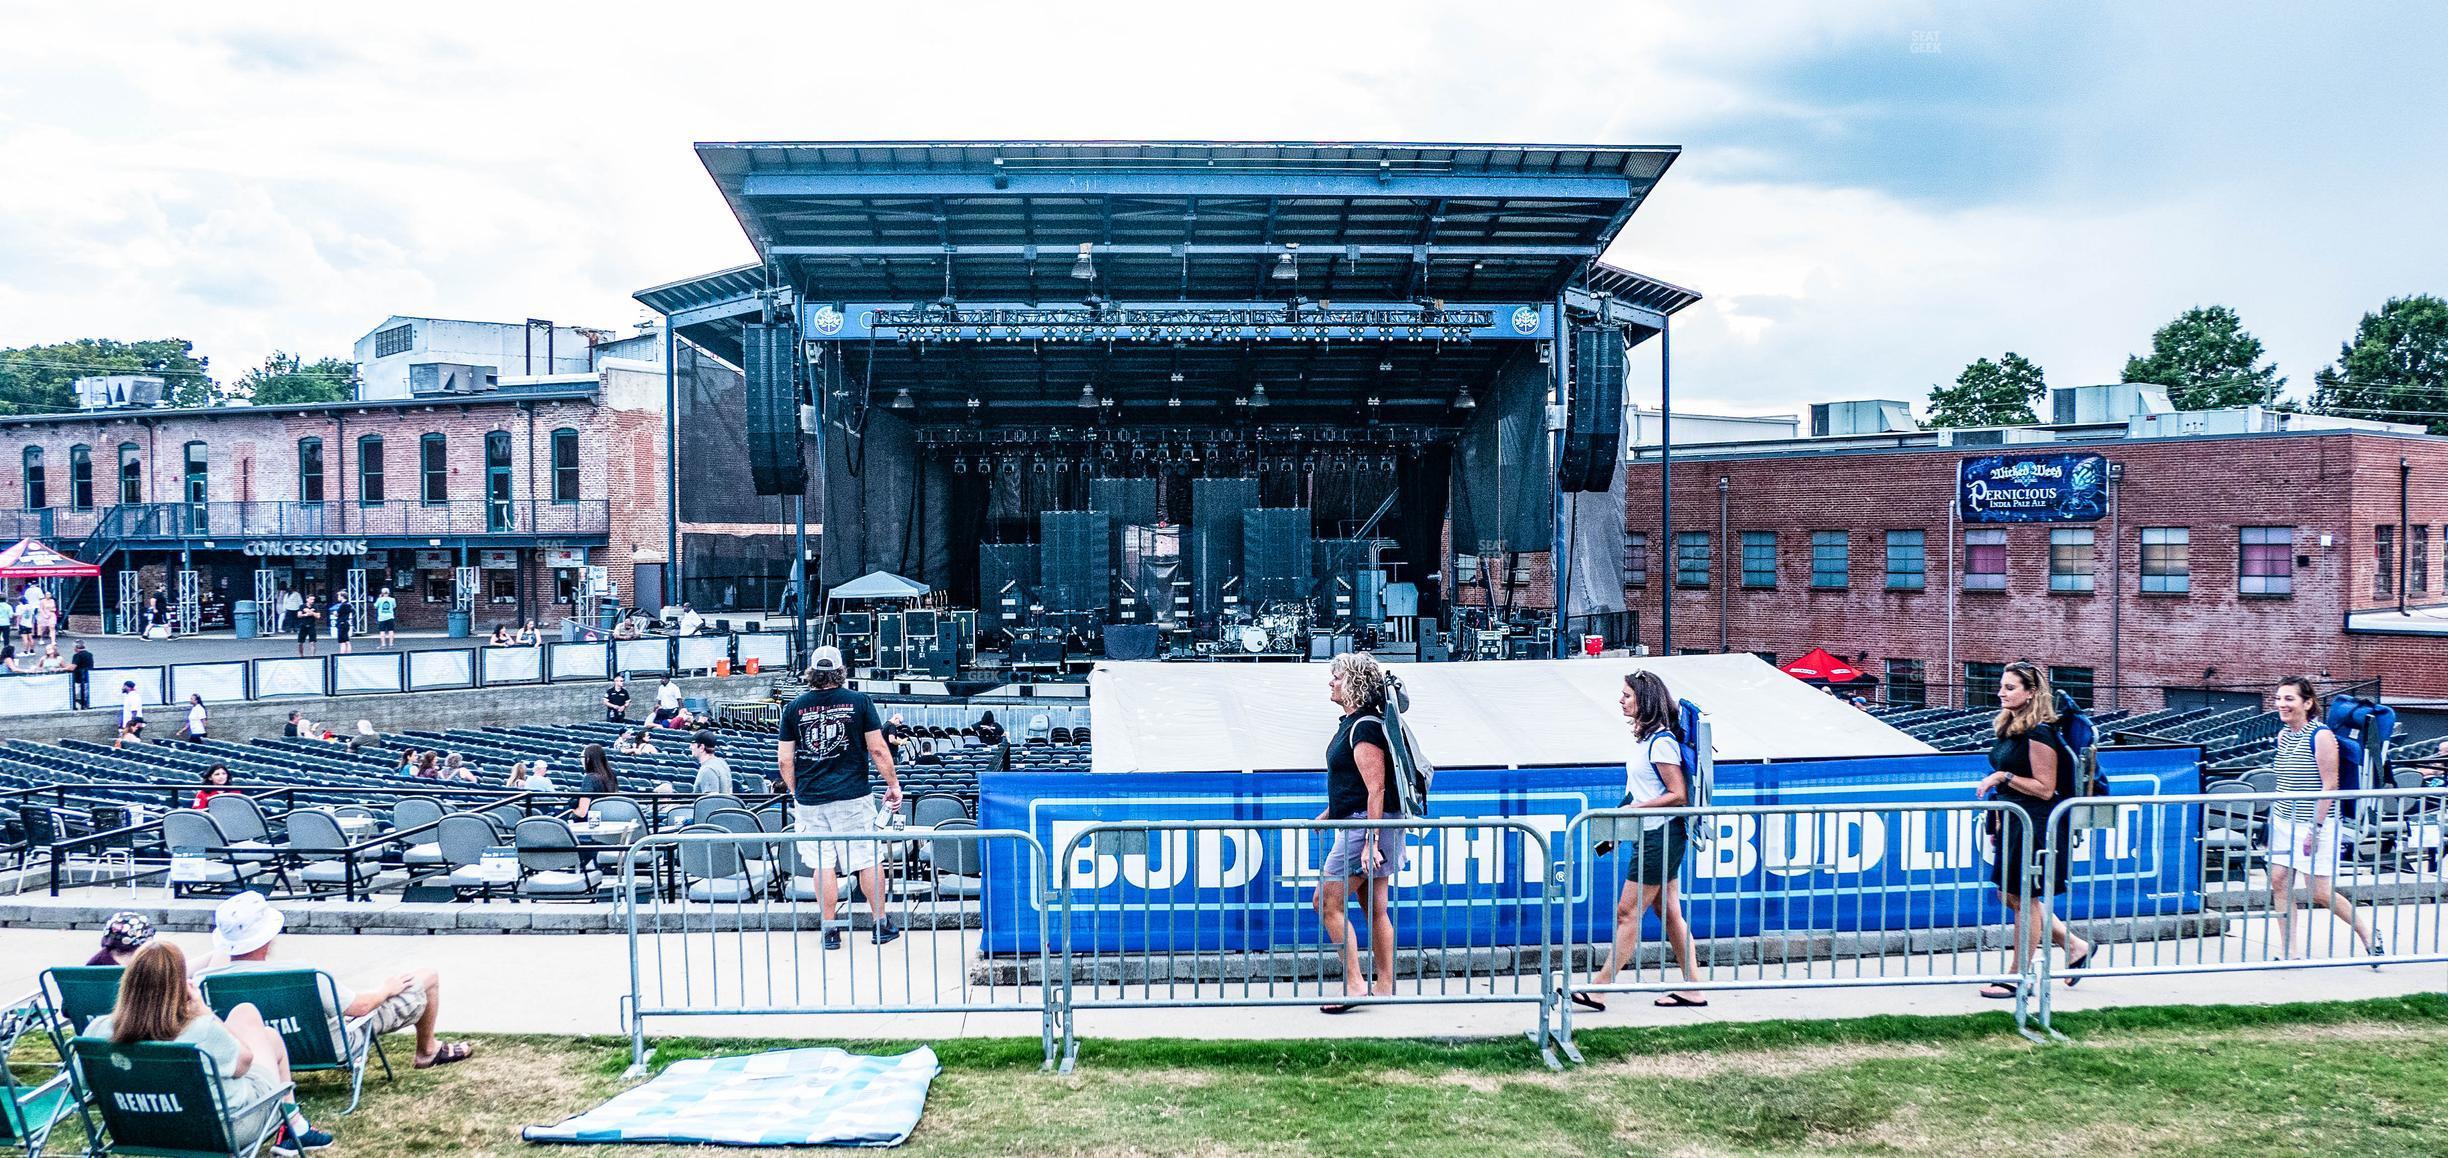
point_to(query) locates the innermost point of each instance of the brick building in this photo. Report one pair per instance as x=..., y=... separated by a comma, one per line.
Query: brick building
x=2224, y=561
x=529, y=485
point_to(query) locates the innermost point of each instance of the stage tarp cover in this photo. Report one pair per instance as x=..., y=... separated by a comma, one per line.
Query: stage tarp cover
x=1160, y=717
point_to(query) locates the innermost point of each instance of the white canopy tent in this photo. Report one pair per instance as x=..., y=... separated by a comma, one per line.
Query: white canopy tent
x=879, y=585
x=1214, y=717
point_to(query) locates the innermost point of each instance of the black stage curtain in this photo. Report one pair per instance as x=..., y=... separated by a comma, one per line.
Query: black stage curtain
x=1419, y=521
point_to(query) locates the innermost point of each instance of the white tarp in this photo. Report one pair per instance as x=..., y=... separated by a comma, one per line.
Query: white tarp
x=1230, y=717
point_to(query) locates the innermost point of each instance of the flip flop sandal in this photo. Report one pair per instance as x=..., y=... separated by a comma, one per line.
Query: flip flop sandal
x=1337, y=1009
x=2000, y=992
x=1678, y=1001
x=1588, y=1002
x=451, y=1052
x=2076, y=979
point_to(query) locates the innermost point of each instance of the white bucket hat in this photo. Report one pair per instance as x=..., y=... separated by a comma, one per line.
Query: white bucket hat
x=245, y=923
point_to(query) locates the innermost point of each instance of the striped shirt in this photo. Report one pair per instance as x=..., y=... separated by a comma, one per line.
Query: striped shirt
x=2298, y=768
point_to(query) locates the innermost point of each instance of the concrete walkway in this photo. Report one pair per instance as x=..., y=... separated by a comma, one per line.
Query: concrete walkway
x=574, y=985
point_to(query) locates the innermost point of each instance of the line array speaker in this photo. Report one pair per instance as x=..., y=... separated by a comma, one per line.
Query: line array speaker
x=1593, y=430
x=1075, y=562
x=1006, y=574
x=1214, y=547
x=774, y=462
x=1275, y=560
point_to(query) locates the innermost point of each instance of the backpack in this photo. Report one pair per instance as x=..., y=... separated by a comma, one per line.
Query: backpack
x=1414, y=773
x=2363, y=730
x=2078, y=739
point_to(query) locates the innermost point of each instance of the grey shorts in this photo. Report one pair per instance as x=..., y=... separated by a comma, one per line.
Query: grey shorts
x=853, y=817
x=1343, y=859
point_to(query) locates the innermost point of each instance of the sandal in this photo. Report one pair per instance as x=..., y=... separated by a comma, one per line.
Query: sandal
x=2073, y=979
x=1337, y=1009
x=1678, y=1001
x=1999, y=991
x=451, y=1052
x=1588, y=1002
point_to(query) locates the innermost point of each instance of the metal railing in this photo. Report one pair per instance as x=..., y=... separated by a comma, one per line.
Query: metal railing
x=338, y=518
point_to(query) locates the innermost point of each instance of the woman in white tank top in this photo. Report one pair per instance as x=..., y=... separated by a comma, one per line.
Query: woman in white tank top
x=2303, y=834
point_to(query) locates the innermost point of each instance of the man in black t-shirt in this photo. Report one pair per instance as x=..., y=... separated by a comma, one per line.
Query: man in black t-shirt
x=829, y=737
x=616, y=701
x=80, y=677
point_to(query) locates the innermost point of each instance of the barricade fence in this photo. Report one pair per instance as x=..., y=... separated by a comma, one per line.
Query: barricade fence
x=382, y=672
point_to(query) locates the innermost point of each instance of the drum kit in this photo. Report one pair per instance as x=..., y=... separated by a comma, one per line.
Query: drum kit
x=1279, y=628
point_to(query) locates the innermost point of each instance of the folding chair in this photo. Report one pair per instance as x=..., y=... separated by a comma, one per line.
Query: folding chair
x=553, y=863
x=303, y=1006
x=80, y=993
x=28, y=1114
x=164, y=1099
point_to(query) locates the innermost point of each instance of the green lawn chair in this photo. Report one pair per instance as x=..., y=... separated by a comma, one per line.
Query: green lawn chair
x=163, y=1099
x=81, y=993
x=302, y=1005
x=28, y=1114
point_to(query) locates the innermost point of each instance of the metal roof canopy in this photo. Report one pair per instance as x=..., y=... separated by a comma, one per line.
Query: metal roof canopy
x=852, y=221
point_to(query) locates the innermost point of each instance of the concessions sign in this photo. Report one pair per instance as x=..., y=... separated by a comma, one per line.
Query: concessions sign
x=2033, y=488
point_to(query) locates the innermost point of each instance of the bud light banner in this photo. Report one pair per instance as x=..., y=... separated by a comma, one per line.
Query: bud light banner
x=2034, y=488
x=1883, y=863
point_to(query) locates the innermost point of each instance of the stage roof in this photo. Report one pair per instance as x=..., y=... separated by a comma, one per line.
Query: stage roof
x=1226, y=717
x=1181, y=220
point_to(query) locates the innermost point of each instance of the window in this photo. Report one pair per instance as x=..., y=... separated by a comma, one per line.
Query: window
x=434, y=453
x=1636, y=561
x=37, y=493
x=1907, y=681
x=370, y=469
x=131, y=474
x=2265, y=561
x=497, y=482
x=310, y=470
x=2418, y=559
x=199, y=473
x=1907, y=560
x=1691, y=559
x=396, y=340
x=439, y=586
x=1759, y=558
x=2073, y=681
x=2070, y=560
x=565, y=466
x=2384, y=555
x=1767, y=657
x=2167, y=565
x=500, y=586
x=1981, y=684
x=1984, y=560
x=80, y=478
x=1831, y=560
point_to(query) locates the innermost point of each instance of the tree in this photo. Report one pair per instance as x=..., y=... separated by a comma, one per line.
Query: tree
x=2208, y=362
x=1987, y=393
x=2395, y=369
x=38, y=379
x=284, y=381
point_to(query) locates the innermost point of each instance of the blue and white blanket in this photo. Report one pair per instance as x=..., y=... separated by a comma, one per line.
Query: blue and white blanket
x=796, y=1097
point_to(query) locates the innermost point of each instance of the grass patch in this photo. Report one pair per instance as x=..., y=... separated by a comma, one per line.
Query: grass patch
x=2367, y=1077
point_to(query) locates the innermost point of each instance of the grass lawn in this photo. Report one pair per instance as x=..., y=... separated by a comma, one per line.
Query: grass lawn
x=2351, y=1078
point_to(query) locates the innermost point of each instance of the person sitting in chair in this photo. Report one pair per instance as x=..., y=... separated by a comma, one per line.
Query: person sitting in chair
x=244, y=928
x=157, y=1002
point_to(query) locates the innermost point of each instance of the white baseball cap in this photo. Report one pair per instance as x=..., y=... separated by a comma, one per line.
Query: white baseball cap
x=827, y=659
x=245, y=923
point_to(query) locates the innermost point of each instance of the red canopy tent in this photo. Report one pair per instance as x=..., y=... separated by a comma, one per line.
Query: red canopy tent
x=1819, y=667
x=30, y=559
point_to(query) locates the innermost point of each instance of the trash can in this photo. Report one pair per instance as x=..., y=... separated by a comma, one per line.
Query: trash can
x=247, y=619
x=457, y=624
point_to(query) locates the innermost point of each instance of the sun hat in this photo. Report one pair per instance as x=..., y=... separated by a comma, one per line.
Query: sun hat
x=245, y=923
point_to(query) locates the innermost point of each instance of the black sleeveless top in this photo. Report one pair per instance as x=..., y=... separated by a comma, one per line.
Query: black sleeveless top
x=1346, y=793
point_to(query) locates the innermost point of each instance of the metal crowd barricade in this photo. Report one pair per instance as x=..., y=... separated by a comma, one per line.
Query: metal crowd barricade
x=1794, y=896
x=725, y=923
x=2386, y=868
x=1218, y=914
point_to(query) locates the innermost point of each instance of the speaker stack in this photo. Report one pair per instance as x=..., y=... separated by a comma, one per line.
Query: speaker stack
x=1275, y=563
x=1593, y=431
x=770, y=365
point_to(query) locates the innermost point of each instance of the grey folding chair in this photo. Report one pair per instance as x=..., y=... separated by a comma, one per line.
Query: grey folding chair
x=551, y=864
x=464, y=838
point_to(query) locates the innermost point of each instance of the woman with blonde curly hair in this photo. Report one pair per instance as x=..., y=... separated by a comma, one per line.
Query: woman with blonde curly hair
x=1362, y=862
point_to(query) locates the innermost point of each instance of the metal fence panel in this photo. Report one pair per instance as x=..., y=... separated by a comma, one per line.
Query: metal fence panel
x=373, y=672
x=702, y=652
x=769, y=649
x=152, y=684
x=216, y=682
x=510, y=665
x=441, y=669
x=728, y=924
x=642, y=656
x=578, y=661
x=24, y=695
x=298, y=676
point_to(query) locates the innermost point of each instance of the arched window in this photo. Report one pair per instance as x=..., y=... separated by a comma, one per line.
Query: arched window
x=80, y=478
x=37, y=494
x=131, y=473
x=565, y=466
x=433, y=463
x=310, y=470
x=370, y=470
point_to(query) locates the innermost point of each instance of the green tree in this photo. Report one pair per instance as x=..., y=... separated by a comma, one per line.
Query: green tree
x=38, y=379
x=2207, y=361
x=2395, y=369
x=285, y=380
x=1987, y=393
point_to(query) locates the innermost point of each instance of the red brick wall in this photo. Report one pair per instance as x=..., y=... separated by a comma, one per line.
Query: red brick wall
x=2340, y=485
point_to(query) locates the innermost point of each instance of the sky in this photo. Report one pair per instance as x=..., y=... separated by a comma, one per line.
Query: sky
x=1870, y=195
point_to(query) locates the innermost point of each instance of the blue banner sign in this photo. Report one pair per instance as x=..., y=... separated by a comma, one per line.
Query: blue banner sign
x=1883, y=866
x=1176, y=321
x=2034, y=488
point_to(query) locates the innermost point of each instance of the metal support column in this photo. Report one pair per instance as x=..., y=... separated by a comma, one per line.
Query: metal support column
x=1666, y=540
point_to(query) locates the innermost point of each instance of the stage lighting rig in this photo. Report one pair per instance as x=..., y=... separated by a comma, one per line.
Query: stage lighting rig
x=1085, y=267
x=1287, y=265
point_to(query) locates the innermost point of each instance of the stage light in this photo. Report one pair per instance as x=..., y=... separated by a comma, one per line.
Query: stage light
x=1257, y=395
x=1088, y=396
x=1085, y=268
x=960, y=466
x=1464, y=401
x=1385, y=367
x=1177, y=376
x=1287, y=265
x=1174, y=400
x=901, y=400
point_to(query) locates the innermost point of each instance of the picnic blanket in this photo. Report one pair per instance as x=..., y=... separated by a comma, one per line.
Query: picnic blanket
x=792, y=1097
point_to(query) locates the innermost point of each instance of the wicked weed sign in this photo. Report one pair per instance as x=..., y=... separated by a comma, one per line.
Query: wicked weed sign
x=2034, y=488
